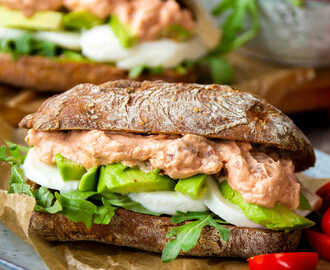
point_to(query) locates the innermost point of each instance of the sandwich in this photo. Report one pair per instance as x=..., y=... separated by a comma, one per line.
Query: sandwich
x=54, y=45
x=172, y=168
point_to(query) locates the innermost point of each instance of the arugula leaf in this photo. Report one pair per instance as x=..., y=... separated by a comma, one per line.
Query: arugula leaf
x=78, y=195
x=125, y=202
x=44, y=199
x=187, y=235
x=23, y=44
x=27, y=45
x=77, y=210
x=234, y=35
x=104, y=214
x=20, y=188
x=14, y=155
x=304, y=203
x=5, y=45
x=17, y=183
x=221, y=70
x=139, y=70
x=136, y=71
x=181, y=216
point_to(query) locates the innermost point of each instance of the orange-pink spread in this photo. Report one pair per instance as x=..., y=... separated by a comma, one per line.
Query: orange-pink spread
x=261, y=178
x=148, y=19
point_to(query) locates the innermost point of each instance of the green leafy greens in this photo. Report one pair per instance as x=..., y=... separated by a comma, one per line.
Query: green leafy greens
x=235, y=14
x=187, y=235
x=91, y=207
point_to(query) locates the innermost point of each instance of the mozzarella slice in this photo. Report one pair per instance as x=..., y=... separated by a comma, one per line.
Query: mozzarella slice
x=225, y=209
x=67, y=40
x=45, y=175
x=101, y=44
x=167, y=202
x=166, y=53
x=8, y=33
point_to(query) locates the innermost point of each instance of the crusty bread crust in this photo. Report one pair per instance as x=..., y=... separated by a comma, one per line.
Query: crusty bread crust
x=148, y=233
x=173, y=108
x=45, y=74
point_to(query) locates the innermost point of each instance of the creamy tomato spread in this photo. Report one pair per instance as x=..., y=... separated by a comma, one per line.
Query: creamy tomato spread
x=260, y=178
x=148, y=19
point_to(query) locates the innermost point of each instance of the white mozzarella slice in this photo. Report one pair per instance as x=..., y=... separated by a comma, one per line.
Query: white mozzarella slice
x=225, y=209
x=167, y=202
x=8, y=33
x=45, y=175
x=64, y=39
x=166, y=53
x=101, y=44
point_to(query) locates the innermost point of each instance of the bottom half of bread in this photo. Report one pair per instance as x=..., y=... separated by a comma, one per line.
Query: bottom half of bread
x=45, y=74
x=148, y=233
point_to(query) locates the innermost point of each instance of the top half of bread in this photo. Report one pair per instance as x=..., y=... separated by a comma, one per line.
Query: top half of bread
x=214, y=111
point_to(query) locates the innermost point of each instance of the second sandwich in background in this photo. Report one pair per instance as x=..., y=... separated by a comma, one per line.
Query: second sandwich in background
x=53, y=45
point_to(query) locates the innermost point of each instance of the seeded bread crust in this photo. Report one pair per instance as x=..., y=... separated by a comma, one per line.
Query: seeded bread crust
x=148, y=233
x=214, y=111
x=45, y=74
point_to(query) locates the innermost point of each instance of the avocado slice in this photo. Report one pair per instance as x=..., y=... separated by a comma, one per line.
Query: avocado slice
x=88, y=181
x=121, y=179
x=279, y=217
x=193, y=186
x=177, y=32
x=78, y=20
x=41, y=20
x=124, y=34
x=69, y=170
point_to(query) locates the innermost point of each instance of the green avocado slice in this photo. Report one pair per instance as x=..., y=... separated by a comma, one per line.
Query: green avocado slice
x=277, y=218
x=125, y=36
x=118, y=178
x=193, y=186
x=41, y=20
x=78, y=20
x=69, y=170
x=88, y=181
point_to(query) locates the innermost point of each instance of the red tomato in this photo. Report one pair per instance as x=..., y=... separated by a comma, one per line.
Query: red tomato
x=285, y=261
x=320, y=242
x=325, y=224
x=324, y=193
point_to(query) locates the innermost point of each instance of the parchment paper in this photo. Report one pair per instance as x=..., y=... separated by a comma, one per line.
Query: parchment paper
x=15, y=213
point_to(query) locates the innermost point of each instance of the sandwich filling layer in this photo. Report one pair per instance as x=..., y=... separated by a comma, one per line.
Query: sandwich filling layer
x=260, y=178
x=147, y=18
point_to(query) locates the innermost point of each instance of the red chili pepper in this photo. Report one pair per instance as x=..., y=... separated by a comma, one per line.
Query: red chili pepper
x=320, y=242
x=285, y=261
x=324, y=193
x=325, y=224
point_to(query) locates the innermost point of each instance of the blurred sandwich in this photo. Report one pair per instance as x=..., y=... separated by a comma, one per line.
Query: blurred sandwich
x=56, y=44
